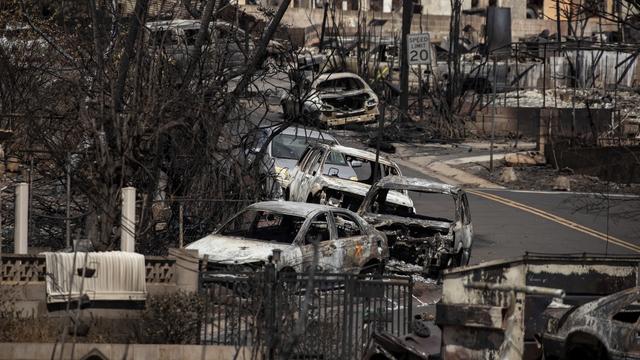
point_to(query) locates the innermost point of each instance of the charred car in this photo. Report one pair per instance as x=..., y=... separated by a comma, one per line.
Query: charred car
x=253, y=237
x=607, y=328
x=428, y=239
x=282, y=153
x=331, y=100
x=320, y=176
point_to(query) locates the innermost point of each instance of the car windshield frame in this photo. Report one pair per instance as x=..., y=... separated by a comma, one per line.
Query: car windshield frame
x=289, y=139
x=329, y=85
x=256, y=216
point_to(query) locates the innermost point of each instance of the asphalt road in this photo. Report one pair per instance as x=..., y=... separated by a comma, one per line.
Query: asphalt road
x=509, y=223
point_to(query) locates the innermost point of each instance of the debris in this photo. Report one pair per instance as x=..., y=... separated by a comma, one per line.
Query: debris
x=508, y=174
x=562, y=183
x=567, y=170
x=608, y=320
x=487, y=299
x=525, y=158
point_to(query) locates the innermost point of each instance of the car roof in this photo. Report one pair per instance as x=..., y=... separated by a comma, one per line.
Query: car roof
x=291, y=207
x=339, y=75
x=367, y=155
x=395, y=182
x=309, y=133
x=187, y=24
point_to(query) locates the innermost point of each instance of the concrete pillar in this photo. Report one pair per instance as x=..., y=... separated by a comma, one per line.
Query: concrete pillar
x=21, y=226
x=186, y=269
x=128, y=220
x=387, y=6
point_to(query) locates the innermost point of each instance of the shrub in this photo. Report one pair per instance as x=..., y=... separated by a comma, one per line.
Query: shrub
x=171, y=319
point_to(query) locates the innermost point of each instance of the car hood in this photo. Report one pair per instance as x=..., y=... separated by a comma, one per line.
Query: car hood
x=340, y=94
x=384, y=219
x=235, y=250
x=361, y=189
x=285, y=163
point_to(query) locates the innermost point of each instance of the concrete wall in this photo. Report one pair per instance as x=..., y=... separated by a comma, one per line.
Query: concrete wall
x=508, y=122
x=24, y=275
x=436, y=25
x=618, y=164
x=534, y=123
x=43, y=351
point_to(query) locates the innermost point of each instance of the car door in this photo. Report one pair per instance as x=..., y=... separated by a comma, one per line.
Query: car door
x=311, y=174
x=352, y=241
x=298, y=173
x=320, y=235
x=467, y=226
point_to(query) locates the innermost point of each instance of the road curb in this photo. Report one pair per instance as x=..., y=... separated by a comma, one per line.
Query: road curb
x=446, y=173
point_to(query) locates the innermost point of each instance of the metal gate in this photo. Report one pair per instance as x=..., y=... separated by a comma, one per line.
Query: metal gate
x=324, y=316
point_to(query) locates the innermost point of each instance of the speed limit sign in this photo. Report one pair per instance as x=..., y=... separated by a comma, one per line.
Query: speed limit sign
x=419, y=49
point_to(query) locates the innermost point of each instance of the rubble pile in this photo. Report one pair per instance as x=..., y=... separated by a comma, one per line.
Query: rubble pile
x=625, y=101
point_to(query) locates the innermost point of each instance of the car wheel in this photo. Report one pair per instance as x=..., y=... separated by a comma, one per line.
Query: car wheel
x=288, y=279
x=372, y=270
x=585, y=353
x=581, y=346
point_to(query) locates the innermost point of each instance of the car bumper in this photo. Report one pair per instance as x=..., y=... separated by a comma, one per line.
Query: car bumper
x=368, y=116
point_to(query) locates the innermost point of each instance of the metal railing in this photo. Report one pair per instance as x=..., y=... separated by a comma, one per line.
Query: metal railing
x=325, y=316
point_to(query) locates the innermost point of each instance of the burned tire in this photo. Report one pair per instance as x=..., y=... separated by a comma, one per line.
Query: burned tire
x=582, y=346
x=585, y=353
x=373, y=269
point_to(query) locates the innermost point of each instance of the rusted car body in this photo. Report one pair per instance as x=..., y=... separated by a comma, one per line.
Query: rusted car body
x=345, y=242
x=494, y=310
x=607, y=328
x=333, y=99
x=429, y=240
x=317, y=177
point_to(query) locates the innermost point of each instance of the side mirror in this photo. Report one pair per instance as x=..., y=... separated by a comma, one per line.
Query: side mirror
x=356, y=163
x=333, y=171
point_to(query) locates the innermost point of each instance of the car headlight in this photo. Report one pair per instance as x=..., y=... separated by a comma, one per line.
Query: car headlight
x=282, y=173
x=372, y=102
x=326, y=107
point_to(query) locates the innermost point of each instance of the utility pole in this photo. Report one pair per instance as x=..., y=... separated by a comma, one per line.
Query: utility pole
x=558, y=33
x=324, y=25
x=407, y=13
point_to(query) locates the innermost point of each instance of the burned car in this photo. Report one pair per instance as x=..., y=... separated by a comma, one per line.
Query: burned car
x=332, y=99
x=428, y=239
x=283, y=152
x=345, y=242
x=320, y=176
x=607, y=328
